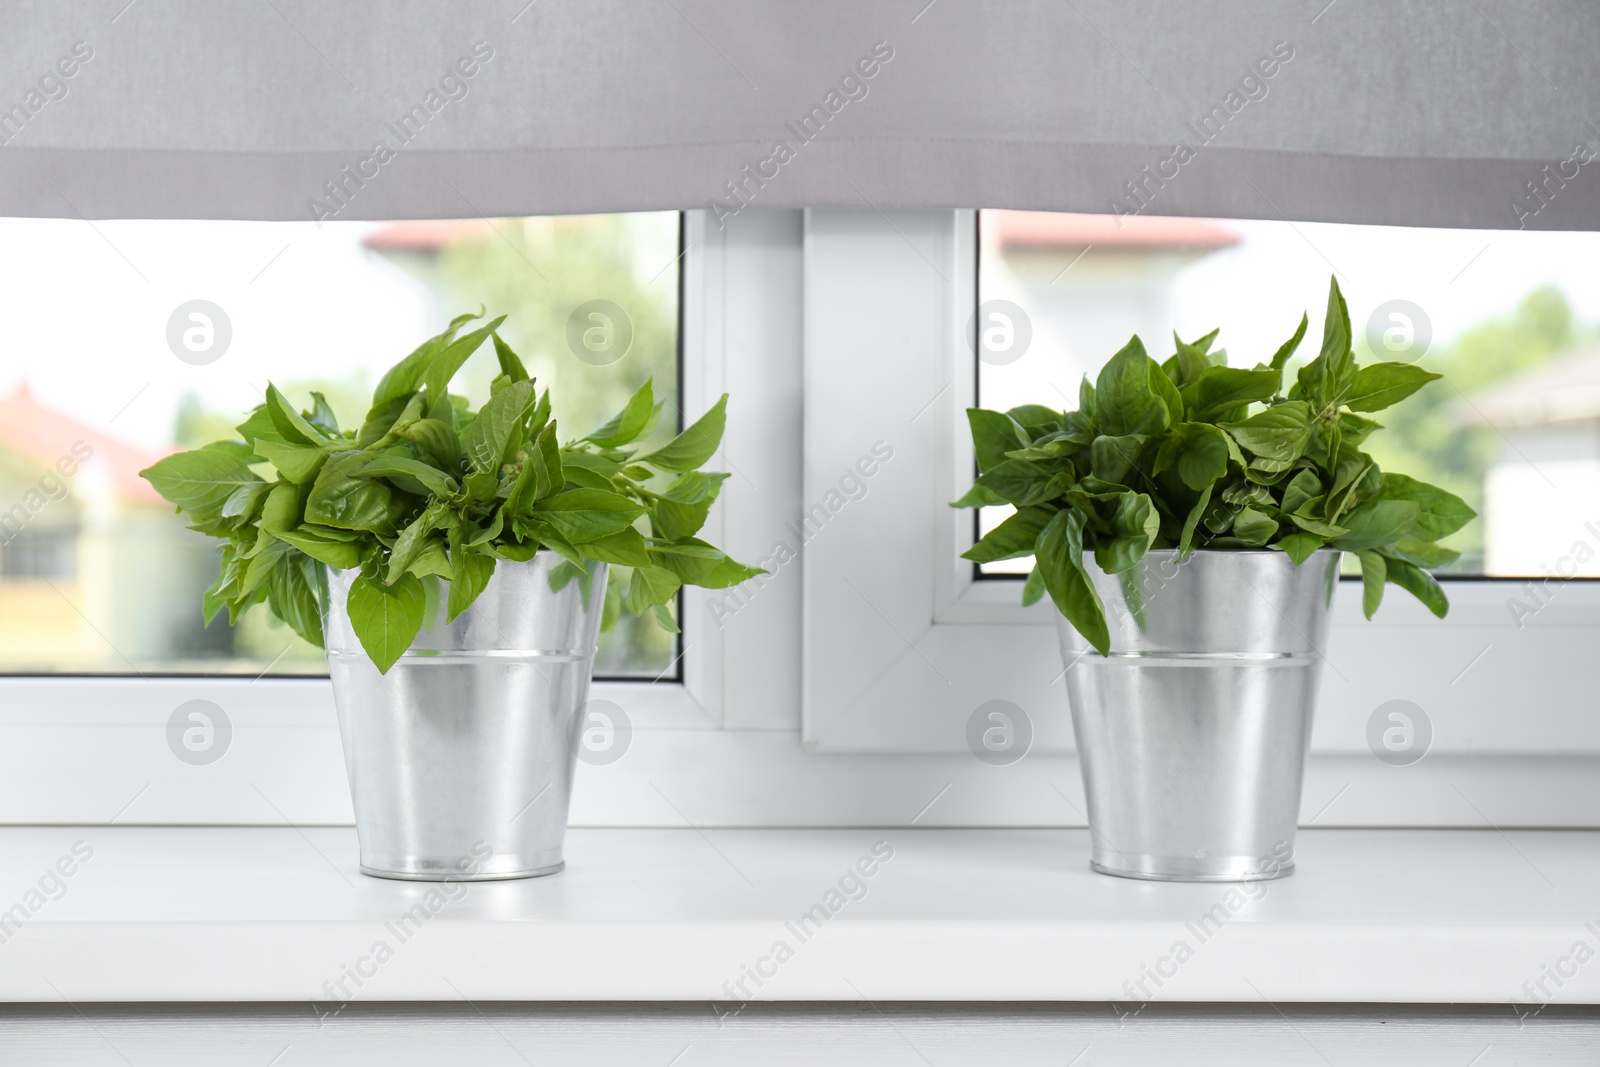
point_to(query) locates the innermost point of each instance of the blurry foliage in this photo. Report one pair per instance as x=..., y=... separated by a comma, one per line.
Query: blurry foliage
x=538, y=271
x=1426, y=435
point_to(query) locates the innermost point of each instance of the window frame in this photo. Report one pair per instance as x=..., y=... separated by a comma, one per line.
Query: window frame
x=81, y=742
x=903, y=642
x=780, y=307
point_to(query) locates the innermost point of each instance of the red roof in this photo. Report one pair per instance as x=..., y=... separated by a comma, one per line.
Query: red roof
x=42, y=436
x=1062, y=229
x=427, y=235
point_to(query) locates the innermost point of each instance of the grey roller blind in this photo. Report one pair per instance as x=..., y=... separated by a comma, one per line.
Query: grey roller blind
x=1474, y=113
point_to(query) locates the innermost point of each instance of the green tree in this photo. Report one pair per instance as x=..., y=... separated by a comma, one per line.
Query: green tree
x=1429, y=435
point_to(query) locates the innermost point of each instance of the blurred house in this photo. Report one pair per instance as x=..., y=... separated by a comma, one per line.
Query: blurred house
x=95, y=570
x=1542, y=493
x=1088, y=282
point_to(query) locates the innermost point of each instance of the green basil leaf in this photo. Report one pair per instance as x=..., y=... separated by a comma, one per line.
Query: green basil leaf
x=586, y=514
x=663, y=617
x=625, y=548
x=469, y=575
x=392, y=465
x=682, y=508
x=1280, y=433
x=381, y=419
x=1280, y=359
x=259, y=422
x=1219, y=391
x=693, y=568
x=1377, y=523
x=404, y=377
x=1060, y=559
x=386, y=618
x=1440, y=513
x=297, y=463
x=291, y=425
x=343, y=499
x=1012, y=538
x=322, y=416
x=1204, y=456
x=629, y=423
x=283, y=508
x=979, y=496
x=1300, y=546
x=340, y=555
x=1373, y=573
x=1125, y=400
x=1327, y=531
x=1134, y=526
x=1166, y=391
x=262, y=559
x=413, y=538
x=1191, y=522
x=1379, y=385
x=1254, y=527
x=1326, y=379
x=694, y=446
x=431, y=561
x=1422, y=553
x=1188, y=362
x=1112, y=458
x=1036, y=420
x=1301, y=490
x=1022, y=482
x=651, y=586
x=438, y=440
x=243, y=501
x=510, y=364
x=443, y=366
x=1419, y=583
x=292, y=595
x=199, y=482
x=491, y=434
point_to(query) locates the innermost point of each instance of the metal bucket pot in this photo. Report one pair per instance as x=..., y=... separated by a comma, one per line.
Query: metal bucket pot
x=1192, y=734
x=461, y=757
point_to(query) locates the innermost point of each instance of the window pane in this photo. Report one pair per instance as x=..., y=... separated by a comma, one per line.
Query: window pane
x=1509, y=318
x=112, y=361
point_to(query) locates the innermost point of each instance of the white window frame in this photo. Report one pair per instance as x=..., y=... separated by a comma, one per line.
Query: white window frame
x=902, y=644
x=86, y=749
x=802, y=703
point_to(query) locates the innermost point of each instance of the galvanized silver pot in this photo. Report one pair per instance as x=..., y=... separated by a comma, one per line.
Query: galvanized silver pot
x=461, y=757
x=1192, y=734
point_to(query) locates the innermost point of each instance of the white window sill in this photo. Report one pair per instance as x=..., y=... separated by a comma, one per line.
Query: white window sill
x=272, y=914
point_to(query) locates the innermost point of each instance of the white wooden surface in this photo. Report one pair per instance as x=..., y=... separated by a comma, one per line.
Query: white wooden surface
x=1370, y=916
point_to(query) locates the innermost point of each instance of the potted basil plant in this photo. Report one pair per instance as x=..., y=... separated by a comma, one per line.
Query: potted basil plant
x=1187, y=522
x=455, y=566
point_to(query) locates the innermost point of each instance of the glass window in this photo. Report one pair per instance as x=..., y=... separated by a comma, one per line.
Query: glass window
x=127, y=340
x=1509, y=318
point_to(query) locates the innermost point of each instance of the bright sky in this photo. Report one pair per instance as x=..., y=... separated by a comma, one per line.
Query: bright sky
x=86, y=306
x=1256, y=290
x=86, y=309
x=1458, y=277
